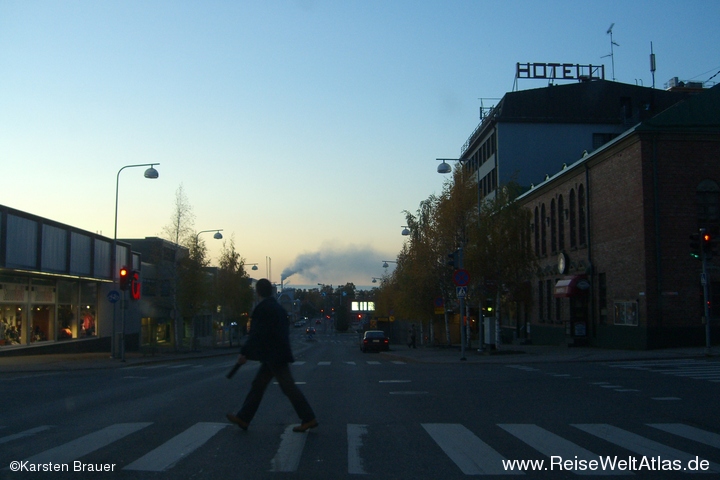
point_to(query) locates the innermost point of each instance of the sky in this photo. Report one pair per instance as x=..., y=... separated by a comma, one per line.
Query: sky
x=301, y=128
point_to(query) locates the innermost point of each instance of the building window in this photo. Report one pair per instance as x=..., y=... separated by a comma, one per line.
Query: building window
x=561, y=223
x=549, y=297
x=582, y=232
x=541, y=303
x=553, y=227
x=536, y=230
x=707, y=198
x=626, y=313
x=543, y=230
x=573, y=220
x=602, y=298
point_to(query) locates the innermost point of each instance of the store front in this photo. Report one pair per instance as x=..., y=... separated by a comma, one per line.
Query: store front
x=33, y=311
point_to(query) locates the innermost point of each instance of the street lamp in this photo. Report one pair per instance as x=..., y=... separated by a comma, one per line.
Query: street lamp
x=385, y=263
x=152, y=174
x=255, y=265
x=444, y=167
x=375, y=279
x=217, y=236
x=406, y=231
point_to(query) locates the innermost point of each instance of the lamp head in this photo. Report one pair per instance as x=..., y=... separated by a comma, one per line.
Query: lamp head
x=444, y=168
x=217, y=235
x=151, y=173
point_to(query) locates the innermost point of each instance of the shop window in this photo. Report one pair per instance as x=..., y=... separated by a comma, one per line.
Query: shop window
x=88, y=309
x=67, y=320
x=626, y=313
x=12, y=319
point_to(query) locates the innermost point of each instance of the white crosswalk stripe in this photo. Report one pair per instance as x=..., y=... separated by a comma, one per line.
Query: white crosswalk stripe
x=471, y=454
x=170, y=452
x=638, y=444
x=86, y=444
x=687, y=368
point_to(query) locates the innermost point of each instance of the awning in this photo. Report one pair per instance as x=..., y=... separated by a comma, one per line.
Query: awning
x=571, y=286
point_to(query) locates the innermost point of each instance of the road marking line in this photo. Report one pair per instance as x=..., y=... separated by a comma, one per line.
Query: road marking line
x=24, y=434
x=373, y=362
x=468, y=452
x=552, y=445
x=640, y=445
x=394, y=381
x=324, y=363
x=666, y=398
x=351, y=363
x=177, y=448
x=87, y=444
x=355, y=443
x=287, y=458
x=692, y=433
x=409, y=392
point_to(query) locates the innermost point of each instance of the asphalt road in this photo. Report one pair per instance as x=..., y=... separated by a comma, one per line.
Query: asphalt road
x=380, y=417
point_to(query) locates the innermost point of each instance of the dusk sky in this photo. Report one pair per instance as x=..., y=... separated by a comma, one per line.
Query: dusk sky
x=301, y=128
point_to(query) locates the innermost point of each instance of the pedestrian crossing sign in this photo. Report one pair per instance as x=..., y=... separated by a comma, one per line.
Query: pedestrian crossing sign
x=461, y=292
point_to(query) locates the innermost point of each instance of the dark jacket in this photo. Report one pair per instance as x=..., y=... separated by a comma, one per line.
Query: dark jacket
x=269, y=337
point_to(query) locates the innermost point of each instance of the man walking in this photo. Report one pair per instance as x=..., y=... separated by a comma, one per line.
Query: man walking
x=269, y=342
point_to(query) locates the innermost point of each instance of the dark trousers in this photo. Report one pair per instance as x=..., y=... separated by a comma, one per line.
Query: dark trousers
x=287, y=384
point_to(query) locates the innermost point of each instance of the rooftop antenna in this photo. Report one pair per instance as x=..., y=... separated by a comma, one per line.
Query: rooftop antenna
x=652, y=64
x=612, y=52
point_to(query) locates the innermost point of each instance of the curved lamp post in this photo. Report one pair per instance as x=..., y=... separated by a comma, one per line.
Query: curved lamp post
x=385, y=263
x=217, y=236
x=152, y=174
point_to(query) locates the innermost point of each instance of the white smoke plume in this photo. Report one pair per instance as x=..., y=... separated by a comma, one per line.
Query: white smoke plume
x=332, y=264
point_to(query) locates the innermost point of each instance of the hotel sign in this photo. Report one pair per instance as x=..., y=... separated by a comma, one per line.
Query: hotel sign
x=560, y=71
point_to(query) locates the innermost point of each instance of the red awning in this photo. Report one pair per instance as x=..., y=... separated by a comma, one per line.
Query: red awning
x=571, y=286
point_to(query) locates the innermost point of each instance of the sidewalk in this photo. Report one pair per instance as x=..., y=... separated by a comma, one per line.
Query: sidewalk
x=506, y=354
x=541, y=354
x=100, y=360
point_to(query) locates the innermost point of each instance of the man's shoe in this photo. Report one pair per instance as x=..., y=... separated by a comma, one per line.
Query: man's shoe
x=306, y=426
x=237, y=421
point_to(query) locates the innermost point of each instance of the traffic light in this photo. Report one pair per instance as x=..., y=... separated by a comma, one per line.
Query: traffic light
x=709, y=244
x=124, y=278
x=454, y=259
x=695, y=251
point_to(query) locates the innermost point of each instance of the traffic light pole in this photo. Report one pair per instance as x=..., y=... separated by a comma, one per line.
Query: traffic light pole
x=706, y=301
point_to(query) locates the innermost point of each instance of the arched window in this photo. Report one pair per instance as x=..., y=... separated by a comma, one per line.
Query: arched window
x=573, y=220
x=561, y=223
x=582, y=236
x=707, y=198
x=536, y=229
x=543, y=230
x=553, y=227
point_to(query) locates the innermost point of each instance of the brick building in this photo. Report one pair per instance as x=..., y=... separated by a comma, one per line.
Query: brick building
x=611, y=232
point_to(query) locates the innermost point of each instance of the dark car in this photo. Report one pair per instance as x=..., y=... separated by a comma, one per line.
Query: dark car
x=375, y=340
x=310, y=331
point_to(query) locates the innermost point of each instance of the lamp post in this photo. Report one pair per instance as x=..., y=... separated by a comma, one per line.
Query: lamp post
x=152, y=174
x=385, y=263
x=217, y=236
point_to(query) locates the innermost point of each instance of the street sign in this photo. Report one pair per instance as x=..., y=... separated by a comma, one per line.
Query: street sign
x=461, y=292
x=461, y=277
x=113, y=296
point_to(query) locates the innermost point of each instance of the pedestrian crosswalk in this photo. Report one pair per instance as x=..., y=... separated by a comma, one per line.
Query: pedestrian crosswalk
x=300, y=363
x=580, y=448
x=687, y=368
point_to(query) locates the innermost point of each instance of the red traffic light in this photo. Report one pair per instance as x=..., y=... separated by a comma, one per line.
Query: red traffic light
x=124, y=278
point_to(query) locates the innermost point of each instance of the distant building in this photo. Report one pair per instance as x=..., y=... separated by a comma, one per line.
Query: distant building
x=531, y=133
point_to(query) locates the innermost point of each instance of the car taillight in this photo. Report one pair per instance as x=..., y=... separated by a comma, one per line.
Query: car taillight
x=386, y=340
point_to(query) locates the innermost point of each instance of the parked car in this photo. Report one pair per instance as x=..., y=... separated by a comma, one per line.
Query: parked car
x=310, y=331
x=375, y=340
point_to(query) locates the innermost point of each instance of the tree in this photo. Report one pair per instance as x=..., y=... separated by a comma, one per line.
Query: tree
x=234, y=293
x=180, y=228
x=502, y=251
